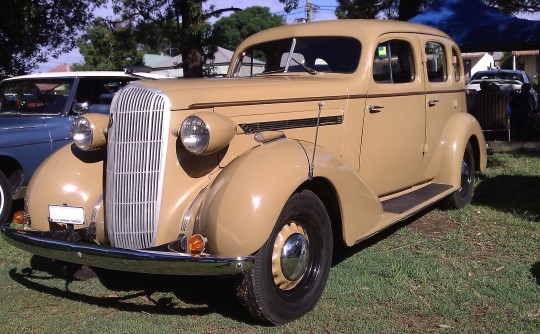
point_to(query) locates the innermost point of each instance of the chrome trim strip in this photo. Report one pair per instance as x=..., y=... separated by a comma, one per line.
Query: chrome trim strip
x=140, y=261
x=20, y=127
x=97, y=206
x=290, y=124
x=187, y=215
x=273, y=101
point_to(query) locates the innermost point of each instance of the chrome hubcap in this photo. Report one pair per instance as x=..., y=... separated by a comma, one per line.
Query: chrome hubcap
x=290, y=256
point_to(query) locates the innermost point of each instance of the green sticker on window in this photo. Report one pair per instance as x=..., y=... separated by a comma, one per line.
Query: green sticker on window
x=382, y=51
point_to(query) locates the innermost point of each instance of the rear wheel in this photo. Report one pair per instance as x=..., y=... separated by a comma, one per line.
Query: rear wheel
x=5, y=198
x=292, y=267
x=463, y=195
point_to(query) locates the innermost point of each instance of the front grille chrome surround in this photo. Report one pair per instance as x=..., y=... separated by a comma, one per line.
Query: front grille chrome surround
x=136, y=152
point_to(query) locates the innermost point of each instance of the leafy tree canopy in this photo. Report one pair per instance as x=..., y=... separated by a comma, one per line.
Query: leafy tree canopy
x=162, y=25
x=230, y=31
x=108, y=46
x=33, y=30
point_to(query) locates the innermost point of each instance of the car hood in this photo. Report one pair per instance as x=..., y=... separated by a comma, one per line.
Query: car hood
x=190, y=93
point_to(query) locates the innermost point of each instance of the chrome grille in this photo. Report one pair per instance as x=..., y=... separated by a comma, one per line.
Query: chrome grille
x=135, y=159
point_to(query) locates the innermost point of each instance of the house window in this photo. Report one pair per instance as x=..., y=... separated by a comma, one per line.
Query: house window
x=393, y=62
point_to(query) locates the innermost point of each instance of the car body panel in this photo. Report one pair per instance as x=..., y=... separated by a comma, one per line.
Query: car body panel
x=294, y=131
x=28, y=136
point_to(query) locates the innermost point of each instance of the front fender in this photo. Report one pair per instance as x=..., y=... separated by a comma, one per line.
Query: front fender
x=67, y=177
x=462, y=129
x=246, y=198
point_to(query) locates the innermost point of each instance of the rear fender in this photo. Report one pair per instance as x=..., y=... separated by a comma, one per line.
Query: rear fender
x=463, y=129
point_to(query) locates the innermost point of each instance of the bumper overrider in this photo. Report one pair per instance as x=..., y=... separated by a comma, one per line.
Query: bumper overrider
x=48, y=244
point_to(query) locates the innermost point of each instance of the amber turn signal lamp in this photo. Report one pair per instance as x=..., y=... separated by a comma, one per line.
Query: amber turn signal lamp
x=19, y=217
x=196, y=244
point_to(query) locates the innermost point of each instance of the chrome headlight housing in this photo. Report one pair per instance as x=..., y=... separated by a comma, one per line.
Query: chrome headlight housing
x=82, y=133
x=89, y=131
x=205, y=132
x=195, y=135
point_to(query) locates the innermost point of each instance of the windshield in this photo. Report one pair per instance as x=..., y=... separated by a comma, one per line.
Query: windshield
x=35, y=96
x=301, y=54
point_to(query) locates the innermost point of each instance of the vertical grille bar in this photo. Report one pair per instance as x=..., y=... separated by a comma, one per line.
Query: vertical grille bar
x=135, y=159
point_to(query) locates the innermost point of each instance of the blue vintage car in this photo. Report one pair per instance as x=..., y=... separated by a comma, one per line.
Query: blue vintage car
x=36, y=112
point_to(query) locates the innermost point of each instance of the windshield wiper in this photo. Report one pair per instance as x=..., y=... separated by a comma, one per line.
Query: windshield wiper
x=305, y=67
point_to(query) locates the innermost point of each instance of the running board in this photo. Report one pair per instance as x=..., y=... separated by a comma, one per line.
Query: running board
x=408, y=201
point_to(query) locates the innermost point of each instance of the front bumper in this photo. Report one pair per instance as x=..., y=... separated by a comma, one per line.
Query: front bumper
x=140, y=261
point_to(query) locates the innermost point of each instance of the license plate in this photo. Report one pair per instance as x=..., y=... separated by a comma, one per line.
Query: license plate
x=66, y=214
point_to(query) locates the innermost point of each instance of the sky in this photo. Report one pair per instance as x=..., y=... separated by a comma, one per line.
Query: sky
x=325, y=12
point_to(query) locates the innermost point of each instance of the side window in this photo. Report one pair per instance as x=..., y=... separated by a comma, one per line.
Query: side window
x=457, y=65
x=436, y=62
x=393, y=62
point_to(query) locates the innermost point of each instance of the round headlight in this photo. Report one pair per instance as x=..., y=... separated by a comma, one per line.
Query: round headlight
x=195, y=135
x=81, y=131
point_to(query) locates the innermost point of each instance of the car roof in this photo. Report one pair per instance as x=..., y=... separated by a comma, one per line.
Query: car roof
x=500, y=71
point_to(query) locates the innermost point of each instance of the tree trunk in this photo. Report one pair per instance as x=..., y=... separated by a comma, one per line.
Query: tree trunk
x=191, y=37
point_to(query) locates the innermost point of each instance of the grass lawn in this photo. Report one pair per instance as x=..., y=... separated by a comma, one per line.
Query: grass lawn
x=475, y=270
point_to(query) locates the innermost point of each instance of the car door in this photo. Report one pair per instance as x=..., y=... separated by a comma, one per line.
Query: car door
x=394, y=122
x=444, y=97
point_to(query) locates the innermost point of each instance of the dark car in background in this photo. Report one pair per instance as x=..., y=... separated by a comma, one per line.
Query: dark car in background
x=36, y=112
x=507, y=81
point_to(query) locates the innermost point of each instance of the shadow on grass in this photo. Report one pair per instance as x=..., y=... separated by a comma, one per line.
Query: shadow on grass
x=343, y=252
x=535, y=271
x=132, y=292
x=511, y=194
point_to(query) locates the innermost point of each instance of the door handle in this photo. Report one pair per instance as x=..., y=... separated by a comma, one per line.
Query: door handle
x=432, y=103
x=375, y=109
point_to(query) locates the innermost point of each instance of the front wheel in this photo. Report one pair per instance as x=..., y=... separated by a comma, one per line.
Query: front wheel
x=5, y=198
x=463, y=195
x=292, y=267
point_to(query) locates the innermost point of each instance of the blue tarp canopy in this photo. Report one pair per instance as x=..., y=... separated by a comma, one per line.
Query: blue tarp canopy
x=476, y=26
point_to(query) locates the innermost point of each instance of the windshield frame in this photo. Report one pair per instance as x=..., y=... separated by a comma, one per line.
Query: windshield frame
x=33, y=96
x=316, y=54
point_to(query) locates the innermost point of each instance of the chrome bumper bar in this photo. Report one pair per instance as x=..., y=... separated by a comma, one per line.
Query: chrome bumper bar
x=140, y=261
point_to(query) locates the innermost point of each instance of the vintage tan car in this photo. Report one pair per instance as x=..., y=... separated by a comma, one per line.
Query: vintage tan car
x=321, y=133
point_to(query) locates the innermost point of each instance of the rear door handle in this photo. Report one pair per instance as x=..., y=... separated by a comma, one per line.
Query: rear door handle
x=375, y=109
x=432, y=103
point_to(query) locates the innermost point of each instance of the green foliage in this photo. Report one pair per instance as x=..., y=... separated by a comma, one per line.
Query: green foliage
x=163, y=26
x=507, y=61
x=33, y=30
x=230, y=31
x=105, y=49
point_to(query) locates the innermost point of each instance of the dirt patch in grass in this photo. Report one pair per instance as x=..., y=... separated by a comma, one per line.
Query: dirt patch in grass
x=434, y=225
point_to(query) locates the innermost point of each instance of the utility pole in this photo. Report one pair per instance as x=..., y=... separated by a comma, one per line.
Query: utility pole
x=309, y=10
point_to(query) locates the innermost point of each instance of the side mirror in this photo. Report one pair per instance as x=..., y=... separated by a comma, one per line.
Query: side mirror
x=79, y=108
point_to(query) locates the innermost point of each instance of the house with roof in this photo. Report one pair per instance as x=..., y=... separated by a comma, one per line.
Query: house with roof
x=172, y=66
